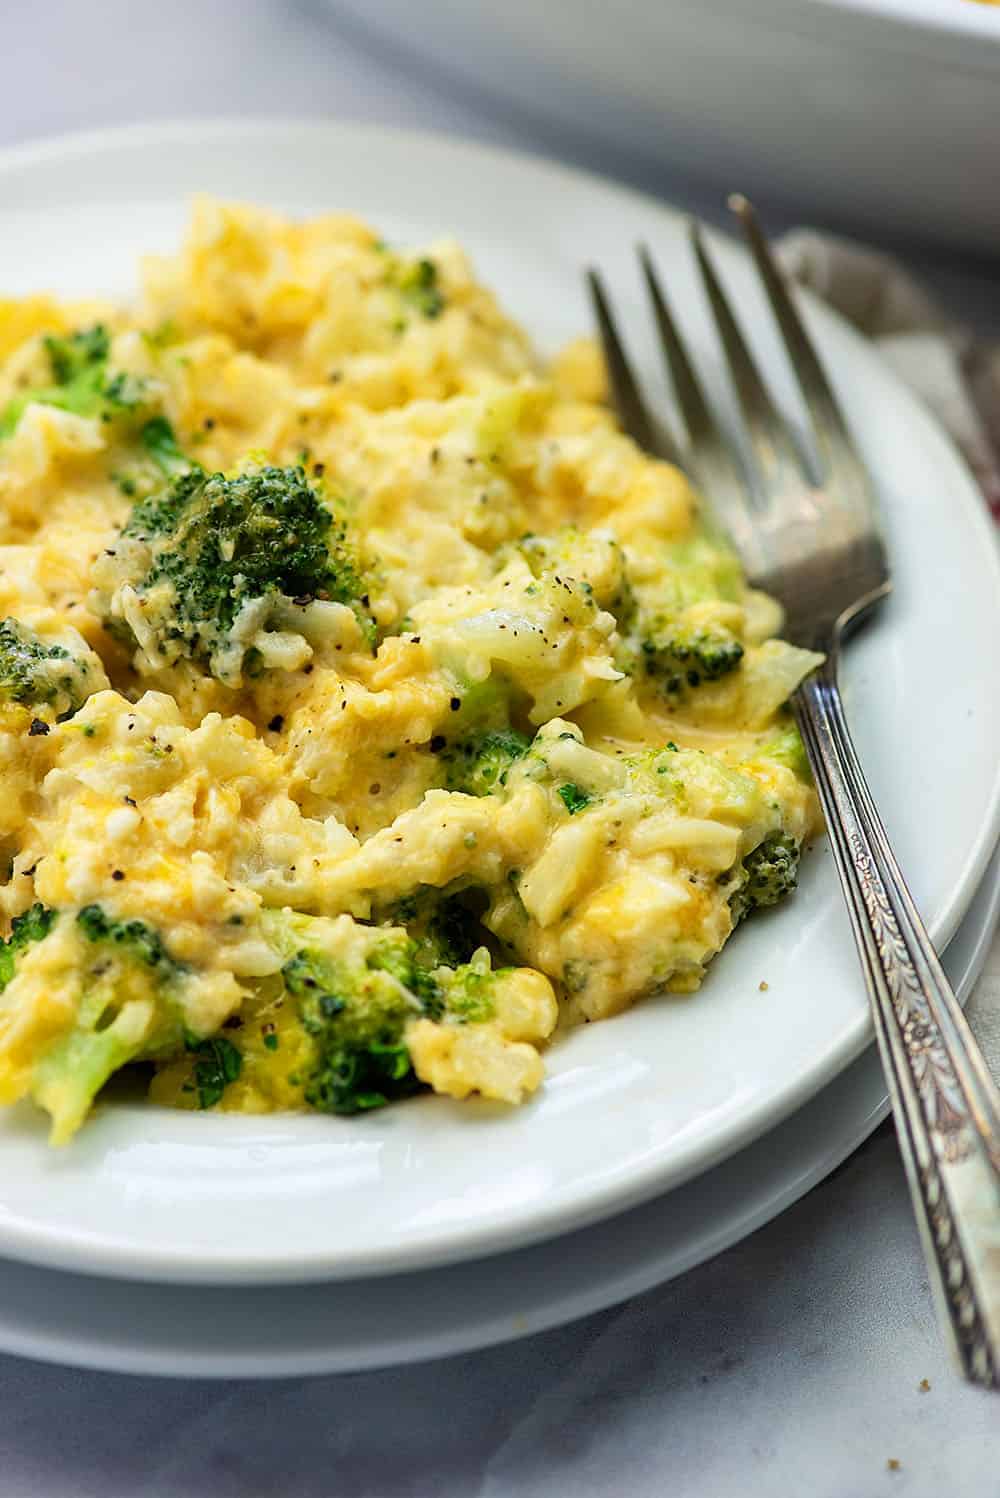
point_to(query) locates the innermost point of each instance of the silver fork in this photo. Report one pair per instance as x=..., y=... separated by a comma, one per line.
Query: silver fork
x=805, y=524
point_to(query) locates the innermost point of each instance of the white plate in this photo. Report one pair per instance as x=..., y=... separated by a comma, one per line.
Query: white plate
x=638, y=1104
x=280, y=1331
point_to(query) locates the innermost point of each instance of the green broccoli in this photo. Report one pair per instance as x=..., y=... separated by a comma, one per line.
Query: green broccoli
x=214, y=560
x=417, y=283
x=32, y=672
x=770, y=872
x=135, y=938
x=701, y=566
x=78, y=355
x=559, y=759
x=128, y=1008
x=217, y=1063
x=444, y=928
x=478, y=765
x=466, y=993
x=355, y=998
x=664, y=632
x=164, y=459
x=683, y=657
x=35, y=923
x=787, y=749
x=355, y=1014
x=80, y=382
x=158, y=438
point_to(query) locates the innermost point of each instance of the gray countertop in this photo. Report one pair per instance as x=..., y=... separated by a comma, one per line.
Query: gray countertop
x=796, y=1362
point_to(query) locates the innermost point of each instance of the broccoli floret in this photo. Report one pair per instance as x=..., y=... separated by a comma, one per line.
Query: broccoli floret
x=356, y=988
x=214, y=561
x=787, y=749
x=770, y=873
x=78, y=355
x=683, y=657
x=134, y=937
x=36, y=673
x=701, y=566
x=35, y=923
x=467, y=992
x=665, y=632
x=478, y=765
x=356, y=1012
x=128, y=990
x=417, y=283
x=238, y=538
x=80, y=381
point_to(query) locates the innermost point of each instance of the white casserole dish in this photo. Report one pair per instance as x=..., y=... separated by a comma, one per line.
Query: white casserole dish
x=881, y=115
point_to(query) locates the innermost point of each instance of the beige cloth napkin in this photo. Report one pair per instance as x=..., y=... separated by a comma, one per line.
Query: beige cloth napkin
x=958, y=376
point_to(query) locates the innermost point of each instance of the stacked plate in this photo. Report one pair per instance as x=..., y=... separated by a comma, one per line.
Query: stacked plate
x=230, y=1245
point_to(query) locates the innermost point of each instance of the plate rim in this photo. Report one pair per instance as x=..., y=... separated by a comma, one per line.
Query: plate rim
x=87, y=1250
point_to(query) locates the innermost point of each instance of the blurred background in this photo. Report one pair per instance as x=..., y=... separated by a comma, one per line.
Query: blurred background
x=878, y=117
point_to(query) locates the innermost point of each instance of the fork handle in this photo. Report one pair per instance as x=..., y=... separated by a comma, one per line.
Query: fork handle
x=946, y=1106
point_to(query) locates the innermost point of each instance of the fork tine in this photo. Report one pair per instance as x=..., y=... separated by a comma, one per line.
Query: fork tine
x=690, y=396
x=833, y=440
x=629, y=404
x=771, y=439
x=718, y=470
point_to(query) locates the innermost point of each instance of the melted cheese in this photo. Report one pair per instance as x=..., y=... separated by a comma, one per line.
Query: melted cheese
x=322, y=785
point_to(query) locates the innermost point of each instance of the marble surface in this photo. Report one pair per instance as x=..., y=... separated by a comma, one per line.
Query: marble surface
x=796, y=1363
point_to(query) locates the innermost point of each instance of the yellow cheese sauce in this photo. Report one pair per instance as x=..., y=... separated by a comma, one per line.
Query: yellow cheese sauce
x=369, y=704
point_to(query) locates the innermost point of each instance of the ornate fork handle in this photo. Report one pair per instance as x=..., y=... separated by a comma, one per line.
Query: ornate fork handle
x=946, y=1106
